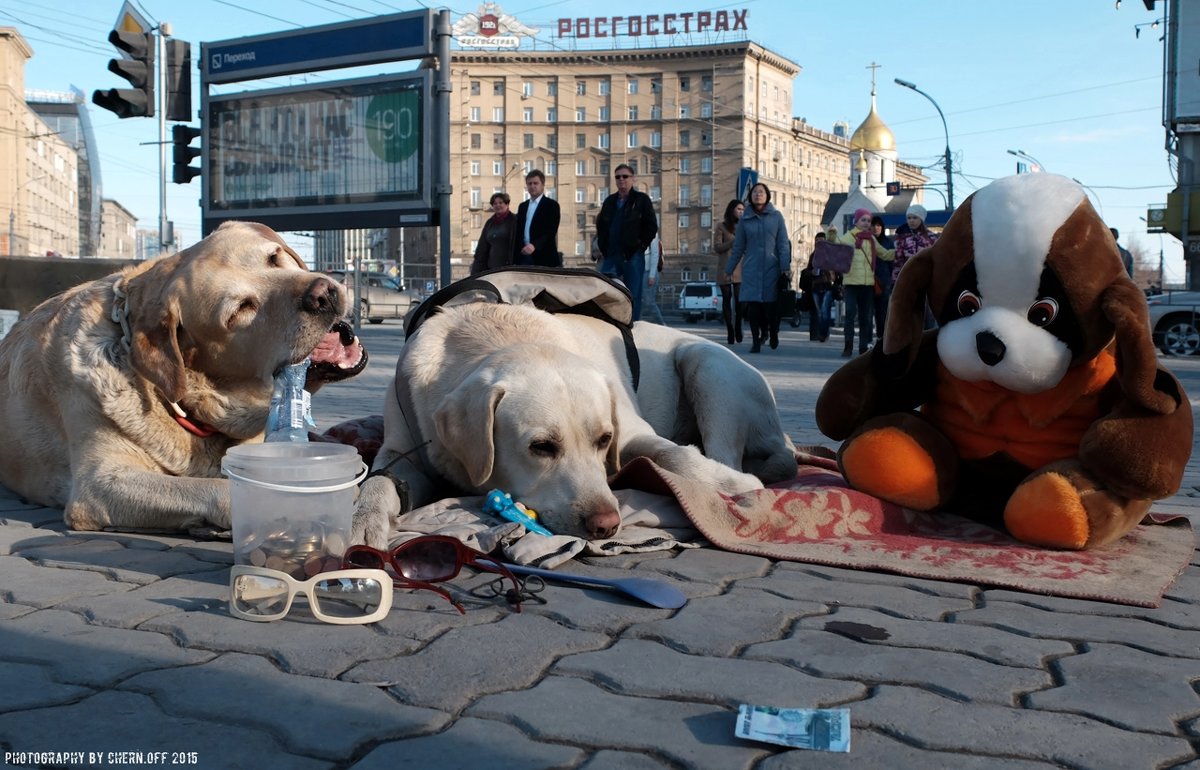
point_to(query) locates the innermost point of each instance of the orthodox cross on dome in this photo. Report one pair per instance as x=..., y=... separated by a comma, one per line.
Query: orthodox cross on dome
x=873, y=66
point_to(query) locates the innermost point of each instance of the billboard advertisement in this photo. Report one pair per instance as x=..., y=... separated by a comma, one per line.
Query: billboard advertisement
x=348, y=154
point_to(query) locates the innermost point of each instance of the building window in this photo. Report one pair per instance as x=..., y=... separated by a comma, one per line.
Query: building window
x=581, y=220
x=497, y=88
x=527, y=115
x=656, y=112
x=604, y=113
x=526, y=167
x=685, y=83
x=655, y=193
x=706, y=165
x=706, y=82
x=552, y=140
x=656, y=85
x=497, y=168
x=474, y=88
x=552, y=88
x=685, y=273
x=581, y=115
x=603, y=87
x=580, y=168
x=706, y=219
x=685, y=165
x=604, y=143
x=685, y=194
x=498, y=141
x=684, y=248
x=685, y=111
x=527, y=88
x=476, y=116
x=633, y=85
x=685, y=220
x=476, y=141
x=580, y=195
x=581, y=87
x=631, y=140
x=580, y=141
x=633, y=112
x=476, y=198
x=655, y=165
x=685, y=138
x=551, y=168
x=552, y=115
x=656, y=139
x=705, y=195
x=602, y=168
x=706, y=110
x=497, y=114
x=475, y=168
x=579, y=246
x=705, y=138
x=527, y=141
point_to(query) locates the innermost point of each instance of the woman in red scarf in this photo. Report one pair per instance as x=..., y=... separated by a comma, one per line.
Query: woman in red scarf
x=858, y=284
x=498, y=239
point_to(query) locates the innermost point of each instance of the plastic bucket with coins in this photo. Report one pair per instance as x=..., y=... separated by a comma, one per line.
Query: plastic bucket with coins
x=292, y=504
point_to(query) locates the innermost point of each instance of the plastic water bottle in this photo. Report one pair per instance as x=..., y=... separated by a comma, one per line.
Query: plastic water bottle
x=290, y=414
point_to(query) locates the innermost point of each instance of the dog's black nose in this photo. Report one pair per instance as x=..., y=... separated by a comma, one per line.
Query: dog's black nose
x=321, y=296
x=991, y=350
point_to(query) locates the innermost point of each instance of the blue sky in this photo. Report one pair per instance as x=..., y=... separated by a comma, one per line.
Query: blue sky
x=1065, y=81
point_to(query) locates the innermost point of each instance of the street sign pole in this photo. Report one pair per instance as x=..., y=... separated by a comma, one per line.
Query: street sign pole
x=160, y=42
x=441, y=41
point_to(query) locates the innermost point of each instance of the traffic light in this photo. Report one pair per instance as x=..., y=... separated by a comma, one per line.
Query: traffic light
x=179, y=80
x=181, y=137
x=138, y=68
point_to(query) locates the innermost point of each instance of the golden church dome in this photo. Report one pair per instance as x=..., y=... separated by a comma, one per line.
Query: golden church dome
x=873, y=135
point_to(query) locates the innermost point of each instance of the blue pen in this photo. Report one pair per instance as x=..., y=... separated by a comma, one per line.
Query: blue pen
x=501, y=504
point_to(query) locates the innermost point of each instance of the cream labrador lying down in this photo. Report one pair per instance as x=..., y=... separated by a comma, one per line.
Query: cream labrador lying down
x=542, y=406
x=120, y=396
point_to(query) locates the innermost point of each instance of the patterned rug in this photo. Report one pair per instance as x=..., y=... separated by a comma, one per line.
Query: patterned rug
x=817, y=519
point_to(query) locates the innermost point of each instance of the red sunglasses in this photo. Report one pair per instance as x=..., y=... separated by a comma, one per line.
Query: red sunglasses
x=429, y=559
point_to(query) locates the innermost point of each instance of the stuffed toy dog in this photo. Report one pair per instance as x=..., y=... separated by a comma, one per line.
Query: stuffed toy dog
x=1039, y=403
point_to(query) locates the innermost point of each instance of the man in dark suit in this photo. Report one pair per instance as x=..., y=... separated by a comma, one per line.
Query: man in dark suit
x=538, y=231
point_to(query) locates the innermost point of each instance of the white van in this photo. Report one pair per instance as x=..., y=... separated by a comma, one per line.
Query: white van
x=700, y=300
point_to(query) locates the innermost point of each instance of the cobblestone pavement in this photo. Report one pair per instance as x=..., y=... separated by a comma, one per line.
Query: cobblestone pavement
x=117, y=646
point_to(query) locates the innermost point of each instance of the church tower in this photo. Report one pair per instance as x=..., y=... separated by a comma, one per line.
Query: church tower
x=872, y=155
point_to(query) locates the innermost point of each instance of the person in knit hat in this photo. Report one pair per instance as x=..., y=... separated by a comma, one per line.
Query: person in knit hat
x=858, y=284
x=910, y=239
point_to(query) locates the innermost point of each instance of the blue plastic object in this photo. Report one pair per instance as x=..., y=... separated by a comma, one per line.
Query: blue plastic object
x=501, y=504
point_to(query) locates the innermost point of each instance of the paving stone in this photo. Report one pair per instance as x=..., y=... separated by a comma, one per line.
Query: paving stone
x=1130, y=688
x=875, y=750
x=27, y=686
x=723, y=625
x=35, y=515
x=477, y=660
x=470, y=744
x=989, y=644
x=1134, y=632
x=84, y=654
x=647, y=669
x=113, y=559
x=710, y=565
x=1180, y=606
x=622, y=760
x=572, y=711
x=893, y=599
x=16, y=536
x=215, y=551
x=932, y=722
x=22, y=582
x=299, y=644
x=190, y=593
x=130, y=722
x=592, y=608
x=302, y=710
x=14, y=610
x=874, y=577
x=832, y=655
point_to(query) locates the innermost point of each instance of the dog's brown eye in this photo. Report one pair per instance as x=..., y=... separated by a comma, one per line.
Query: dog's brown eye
x=1042, y=312
x=544, y=448
x=603, y=442
x=968, y=303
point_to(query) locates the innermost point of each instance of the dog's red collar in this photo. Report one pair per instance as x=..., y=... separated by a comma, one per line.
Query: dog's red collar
x=191, y=426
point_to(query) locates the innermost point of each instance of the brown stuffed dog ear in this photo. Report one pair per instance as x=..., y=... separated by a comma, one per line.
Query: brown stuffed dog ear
x=1137, y=361
x=906, y=312
x=154, y=350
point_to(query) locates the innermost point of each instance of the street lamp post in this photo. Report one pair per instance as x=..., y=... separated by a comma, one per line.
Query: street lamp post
x=949, y=162
x=1022, y=154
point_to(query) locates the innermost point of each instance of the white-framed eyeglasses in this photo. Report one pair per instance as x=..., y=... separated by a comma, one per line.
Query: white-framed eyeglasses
x=342, y=597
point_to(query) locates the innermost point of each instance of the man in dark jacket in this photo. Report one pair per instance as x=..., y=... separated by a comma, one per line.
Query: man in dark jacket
x=537, y=232
x=625, y=227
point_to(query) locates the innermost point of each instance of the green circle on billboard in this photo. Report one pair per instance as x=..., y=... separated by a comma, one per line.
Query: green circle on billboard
x=393, y=125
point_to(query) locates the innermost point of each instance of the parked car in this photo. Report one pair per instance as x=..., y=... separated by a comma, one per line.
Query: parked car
x=383, y=296
x=700, y=300
x=1175, y=322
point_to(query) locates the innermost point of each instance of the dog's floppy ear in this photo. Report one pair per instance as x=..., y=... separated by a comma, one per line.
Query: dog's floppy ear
x=614, y=447
x=154, y=318
x=465, y=423
x=906, y=312
x=1137, y=361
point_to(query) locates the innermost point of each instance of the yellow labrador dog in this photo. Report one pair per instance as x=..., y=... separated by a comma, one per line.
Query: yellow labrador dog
x=121, y=396
x=542, y=406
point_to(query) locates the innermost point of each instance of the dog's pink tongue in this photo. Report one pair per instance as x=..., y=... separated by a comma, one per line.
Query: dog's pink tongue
x=331, y=350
